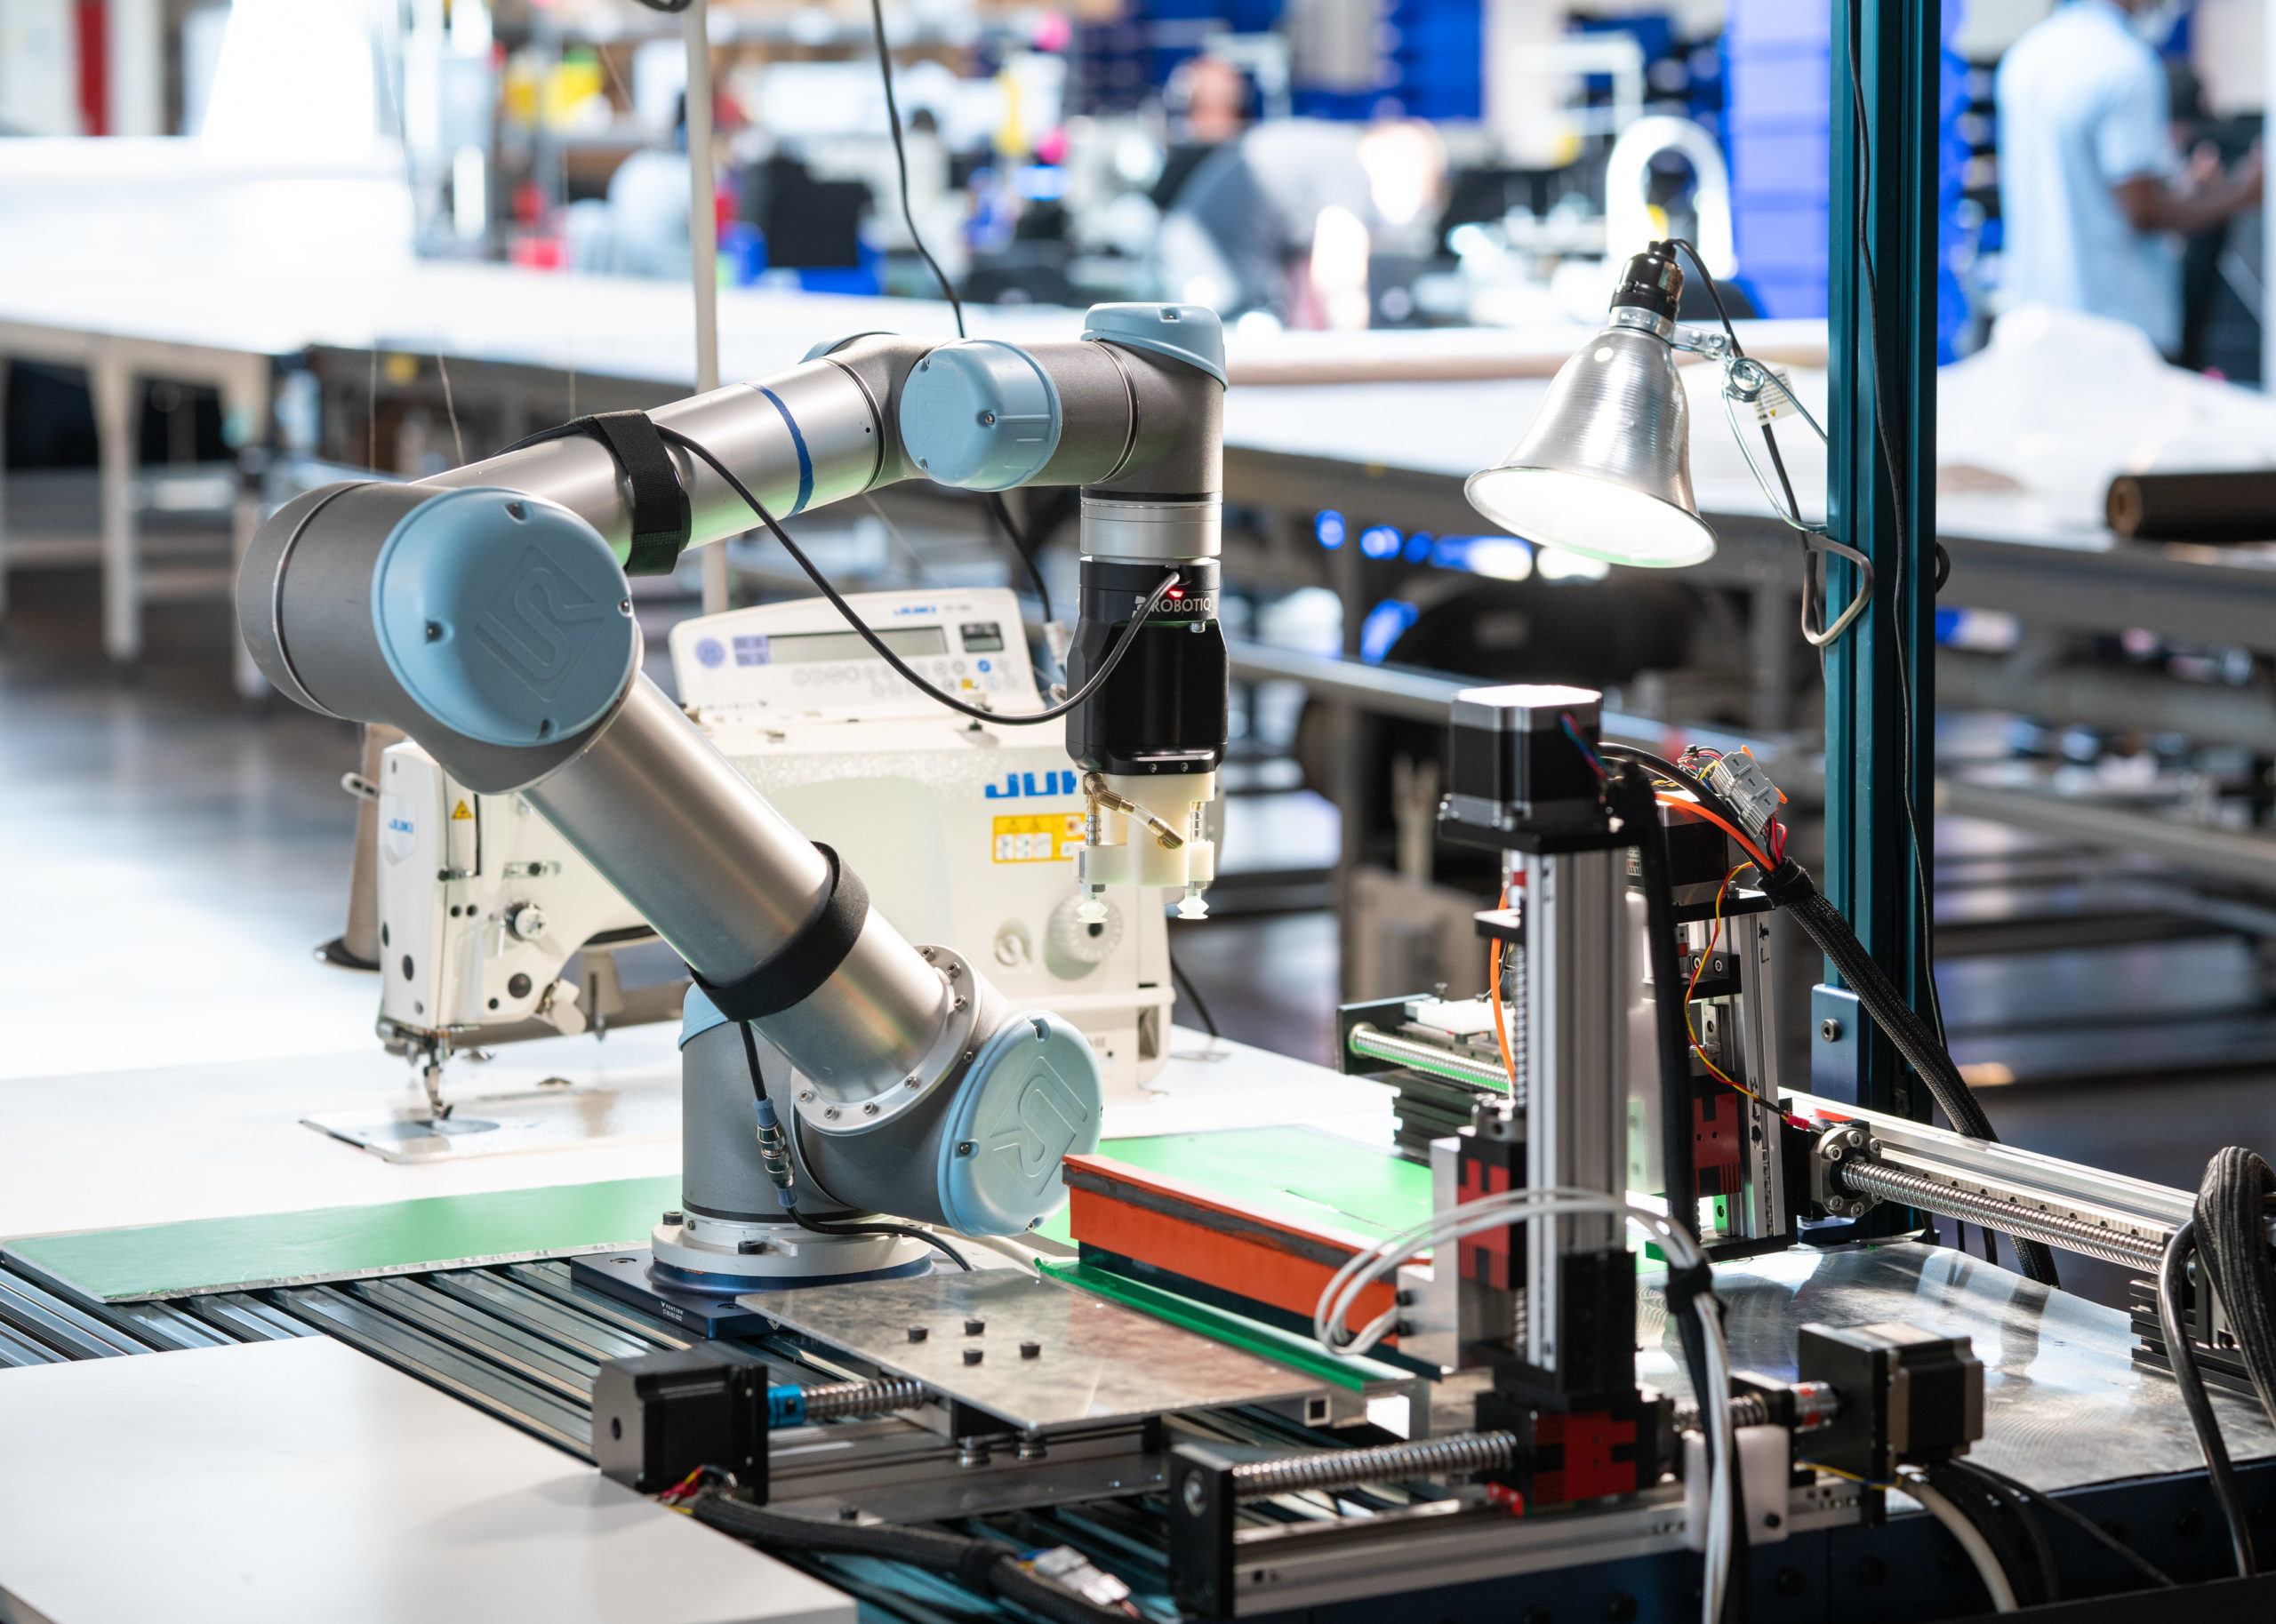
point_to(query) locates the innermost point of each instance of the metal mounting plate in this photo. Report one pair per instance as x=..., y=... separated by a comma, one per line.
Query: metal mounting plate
x=1097, y=1360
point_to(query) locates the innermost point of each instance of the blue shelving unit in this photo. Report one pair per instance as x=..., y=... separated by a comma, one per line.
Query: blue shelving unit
x=1428, y=65
x=1778, y=71
x=1779, y=66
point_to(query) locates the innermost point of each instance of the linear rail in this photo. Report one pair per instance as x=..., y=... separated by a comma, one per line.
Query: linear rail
x=2020, y=1192
x=1376, y=1044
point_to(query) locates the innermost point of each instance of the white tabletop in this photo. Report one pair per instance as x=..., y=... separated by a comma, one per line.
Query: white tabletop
x=298, y=1479
x=166, y=1144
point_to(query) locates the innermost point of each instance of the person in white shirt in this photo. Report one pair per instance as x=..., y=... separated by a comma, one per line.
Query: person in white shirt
x=2092, y=192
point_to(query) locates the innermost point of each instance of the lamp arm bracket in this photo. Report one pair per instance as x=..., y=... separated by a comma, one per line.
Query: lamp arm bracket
x=1702, y=342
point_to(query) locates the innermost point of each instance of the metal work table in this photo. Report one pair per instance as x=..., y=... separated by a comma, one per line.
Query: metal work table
x=2065, y=1403
x=128, y=326
x=1397, y=454
x=1381, y=451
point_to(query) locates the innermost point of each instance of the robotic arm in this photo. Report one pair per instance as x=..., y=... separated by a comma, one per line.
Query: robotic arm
x=486, y=614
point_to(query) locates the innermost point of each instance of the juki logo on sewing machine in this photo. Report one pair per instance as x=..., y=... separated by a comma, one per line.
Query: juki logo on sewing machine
x=538, y=623
x=398, y=828
x=1017, y=784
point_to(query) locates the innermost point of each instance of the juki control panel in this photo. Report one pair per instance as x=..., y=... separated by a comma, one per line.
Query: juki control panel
x=801, y=657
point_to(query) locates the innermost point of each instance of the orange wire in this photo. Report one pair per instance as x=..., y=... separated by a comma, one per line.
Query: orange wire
x=1494, y=988
x=1698, y=970
x=1713, y=937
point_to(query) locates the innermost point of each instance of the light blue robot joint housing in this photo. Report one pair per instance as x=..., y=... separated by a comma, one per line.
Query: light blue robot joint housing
x=505, y=617
x=1190, y=333
x=981, y=415
x=1031, y=1099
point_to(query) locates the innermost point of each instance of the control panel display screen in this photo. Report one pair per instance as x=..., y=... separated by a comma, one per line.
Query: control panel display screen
x=981, y=637
x=812, y=648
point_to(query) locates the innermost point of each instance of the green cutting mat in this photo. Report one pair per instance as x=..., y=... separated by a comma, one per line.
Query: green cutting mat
x=1296, y=1172
x=209, y=1254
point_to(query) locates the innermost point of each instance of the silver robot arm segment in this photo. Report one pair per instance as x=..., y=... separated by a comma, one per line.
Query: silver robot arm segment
x=485, y=612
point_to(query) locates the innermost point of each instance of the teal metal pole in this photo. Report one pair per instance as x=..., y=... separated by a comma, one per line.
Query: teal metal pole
x=1879, y=677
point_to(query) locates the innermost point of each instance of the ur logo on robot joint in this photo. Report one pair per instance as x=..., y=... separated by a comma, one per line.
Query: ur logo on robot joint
x=539, y=624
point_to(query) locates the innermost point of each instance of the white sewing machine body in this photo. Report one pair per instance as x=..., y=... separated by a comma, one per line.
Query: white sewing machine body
x=965, y=832
x=482, y=905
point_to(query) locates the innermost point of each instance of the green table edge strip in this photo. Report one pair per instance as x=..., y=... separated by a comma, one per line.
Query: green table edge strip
x=1250, y=1336
x=201, y=1255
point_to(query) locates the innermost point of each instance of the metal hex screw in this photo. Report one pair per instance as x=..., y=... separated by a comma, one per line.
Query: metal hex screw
x=1829, y=1029
x=869, y=1109
x=973, y=1355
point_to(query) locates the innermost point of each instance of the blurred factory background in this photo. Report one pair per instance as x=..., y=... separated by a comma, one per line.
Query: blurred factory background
x=397, y=236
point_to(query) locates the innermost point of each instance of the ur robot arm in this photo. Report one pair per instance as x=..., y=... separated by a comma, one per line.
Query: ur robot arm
x=485, y=613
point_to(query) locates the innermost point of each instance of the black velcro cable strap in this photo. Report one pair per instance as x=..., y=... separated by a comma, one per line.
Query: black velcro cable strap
x=805, y=961
x=661, y=523
x=976, y=1566
x=1683, y=1285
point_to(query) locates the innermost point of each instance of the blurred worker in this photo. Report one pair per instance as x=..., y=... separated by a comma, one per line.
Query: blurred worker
x=1285, y=219
x=2091, y=189
x=1207, y=99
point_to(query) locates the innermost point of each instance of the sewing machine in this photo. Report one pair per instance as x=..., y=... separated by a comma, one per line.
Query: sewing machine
x=494, y=930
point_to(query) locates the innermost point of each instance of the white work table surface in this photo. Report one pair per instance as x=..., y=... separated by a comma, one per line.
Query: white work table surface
x=298, y=1479
x=107, y=1150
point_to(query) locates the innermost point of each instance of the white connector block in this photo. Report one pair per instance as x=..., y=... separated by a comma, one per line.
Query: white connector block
x=1129, y=850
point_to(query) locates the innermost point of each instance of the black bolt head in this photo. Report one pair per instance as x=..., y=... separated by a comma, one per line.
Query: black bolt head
x=974, y=1327
x=917, y=1334
x=1030, y=1350
x=971, y=1356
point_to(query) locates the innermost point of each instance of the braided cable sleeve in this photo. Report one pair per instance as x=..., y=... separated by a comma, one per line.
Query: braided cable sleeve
x=2232, y=1239
x=1790, y=887
x=981, y=1563
x=1975, y=1501
x=2181, y=1355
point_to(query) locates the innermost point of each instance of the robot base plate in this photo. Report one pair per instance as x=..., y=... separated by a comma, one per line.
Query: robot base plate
x=631, y=1277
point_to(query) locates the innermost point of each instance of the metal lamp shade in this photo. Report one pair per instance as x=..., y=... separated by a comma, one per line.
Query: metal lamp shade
x=1606, y=469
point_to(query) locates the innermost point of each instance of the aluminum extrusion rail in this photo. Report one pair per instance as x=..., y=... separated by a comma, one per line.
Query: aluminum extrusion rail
x=1281, y=1568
